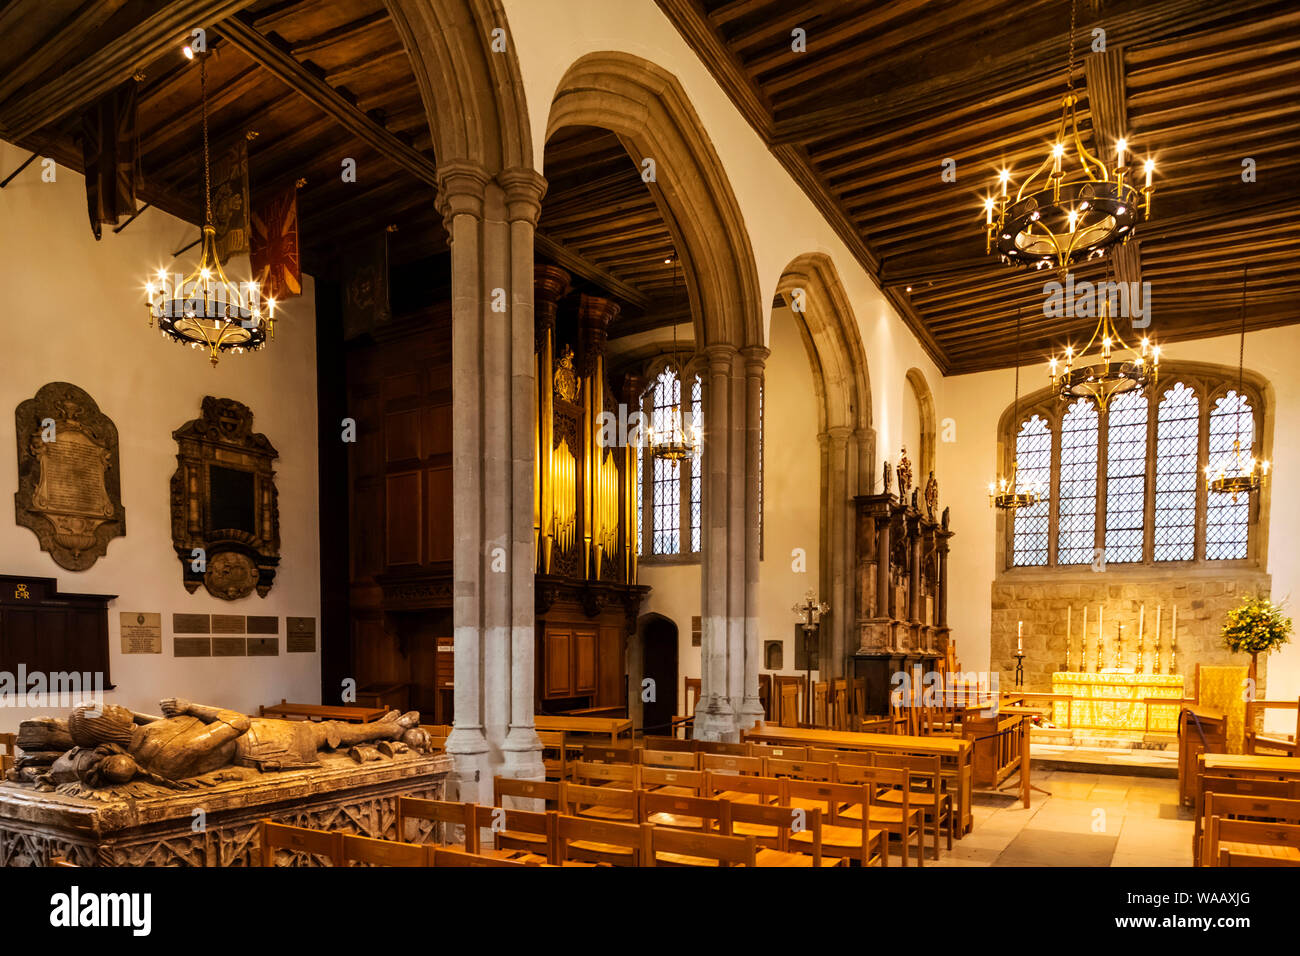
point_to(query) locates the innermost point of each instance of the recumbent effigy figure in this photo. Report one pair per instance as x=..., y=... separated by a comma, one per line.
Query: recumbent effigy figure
x=114, y=745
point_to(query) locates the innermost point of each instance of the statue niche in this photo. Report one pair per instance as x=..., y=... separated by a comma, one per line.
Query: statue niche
x=225, y=510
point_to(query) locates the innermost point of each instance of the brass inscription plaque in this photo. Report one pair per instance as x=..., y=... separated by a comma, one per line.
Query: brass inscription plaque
x=300, y=635
x=229, y=647
x=263, y=647
x=228, y=624
x=191, y=624
x=192, y=647
x=258, y=624
x=141, y=632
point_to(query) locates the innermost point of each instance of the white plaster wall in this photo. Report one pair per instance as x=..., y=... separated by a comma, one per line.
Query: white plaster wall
x=74, y=311
x=975, y=402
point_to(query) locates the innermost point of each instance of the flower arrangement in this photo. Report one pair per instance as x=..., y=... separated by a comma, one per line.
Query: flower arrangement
x=1256, y=626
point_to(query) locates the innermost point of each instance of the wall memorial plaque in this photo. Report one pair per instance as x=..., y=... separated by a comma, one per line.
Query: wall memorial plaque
x=263, y=647
x=191, y=624
x=141, y=632
x=69, y=482
x=225, y=511
x=191, y=647
x=258, y=624
x=300, y=635
x=227, y=624
x=229, y=647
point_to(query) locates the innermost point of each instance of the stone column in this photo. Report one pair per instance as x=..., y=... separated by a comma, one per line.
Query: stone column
x=490, y=224
x=715, y=718
x=835, y=578
x=750, y=710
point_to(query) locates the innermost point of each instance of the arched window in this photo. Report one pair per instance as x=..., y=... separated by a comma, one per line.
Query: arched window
x=672, y=491
x=1227, y=517
x=1126, y=473
x=1034, y=470
x=1177, y=451
x=1077, y=519
x=1131, y=476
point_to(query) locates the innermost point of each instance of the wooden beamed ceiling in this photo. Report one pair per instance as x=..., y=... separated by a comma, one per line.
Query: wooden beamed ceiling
x=315, y=81
x=886, y=91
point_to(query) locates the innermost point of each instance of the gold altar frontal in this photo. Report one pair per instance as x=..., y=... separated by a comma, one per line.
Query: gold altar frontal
x=1117, y=701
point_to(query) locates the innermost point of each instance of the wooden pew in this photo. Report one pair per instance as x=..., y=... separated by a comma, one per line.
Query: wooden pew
x=447, y=856
x=371, y=852
x=775, y=830
x=902, y=819
x=598, y=803
x=596, y=841
x=445, y=815
x=845, y=812
x=1280, y=841
x=925, y=790
x=684, y=813
x=1254, y=808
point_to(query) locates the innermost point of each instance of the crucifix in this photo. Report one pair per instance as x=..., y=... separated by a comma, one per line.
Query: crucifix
x=810, y=612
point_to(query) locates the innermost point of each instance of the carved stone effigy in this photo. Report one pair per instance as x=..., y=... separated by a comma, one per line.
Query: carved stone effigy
x=164, y=830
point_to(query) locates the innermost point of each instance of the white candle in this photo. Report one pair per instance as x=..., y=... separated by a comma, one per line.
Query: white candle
x=1173, y=628
x=1083, y=656
x=1069, y=632
x=1119, y=150
x=1020, y=628
x=1142, y=621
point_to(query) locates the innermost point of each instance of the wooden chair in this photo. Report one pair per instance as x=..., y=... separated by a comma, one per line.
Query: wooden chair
x=281, y=836
x=438, y=734
x=445, y=856
x=445, y=816
x=9, y=745
x=598, y=803
x=729, y=763
x=821, y=704
x=507, y=826
x=578, y=839
x=654, y=742
x=684, y=813
x=901, y=819
x=859, y=758
x=595, y=753
x=775, y=828
x=797, y=769
x=1279, y=841
x=371, y=852
x=671, y=759
x=742, y=788
x=625, y=776
x=858, y=697
x=540, y=794
x=780, y=751
x=845, y=814
x=839, y=705
x=666, y=846
x=789, y=692
x=722, y=747
x=925, y=790
x=681, y=783
x=1254, y=809
x=1233, y=787
x=554, y=755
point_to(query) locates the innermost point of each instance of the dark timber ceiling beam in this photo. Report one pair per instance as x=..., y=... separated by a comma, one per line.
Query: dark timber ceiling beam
x=586, y=269
x=72, y=35
x=307, y=84
x=113, y=63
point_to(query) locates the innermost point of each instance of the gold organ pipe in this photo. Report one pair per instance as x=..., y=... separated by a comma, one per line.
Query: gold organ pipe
x=546, y=417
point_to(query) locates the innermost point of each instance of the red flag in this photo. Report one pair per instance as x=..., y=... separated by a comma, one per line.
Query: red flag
x=275, y=245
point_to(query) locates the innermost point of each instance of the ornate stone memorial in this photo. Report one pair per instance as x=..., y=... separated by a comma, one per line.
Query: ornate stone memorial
x=225, y=510
x=69, y=485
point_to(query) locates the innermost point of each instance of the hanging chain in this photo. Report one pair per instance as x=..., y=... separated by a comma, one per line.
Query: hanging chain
x=1069, y=76
x=1017, y=404
x=207, y=166
x=1241, y=360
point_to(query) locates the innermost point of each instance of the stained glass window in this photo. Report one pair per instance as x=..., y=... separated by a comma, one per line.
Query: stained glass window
x=1034, y=463
x=1227, y=521
x=1126, y=471
x=1077, y=498
x=640, y=477
x=667, y=492
x=1177, y=450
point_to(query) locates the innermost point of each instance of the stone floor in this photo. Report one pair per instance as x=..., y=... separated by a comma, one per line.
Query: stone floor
x=1090, y=819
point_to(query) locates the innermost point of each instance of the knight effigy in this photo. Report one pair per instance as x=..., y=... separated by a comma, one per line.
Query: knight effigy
x=104, y=749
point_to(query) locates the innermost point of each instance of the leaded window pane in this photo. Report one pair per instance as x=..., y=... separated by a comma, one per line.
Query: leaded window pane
x=1177, y=447
x=1227, y=522
x=1034, y=470
x=1077, y=514
x=697, y=420
x=1126, y=471
x=666, y=495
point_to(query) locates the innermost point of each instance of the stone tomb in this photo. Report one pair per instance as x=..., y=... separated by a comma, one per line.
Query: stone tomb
x=165, y=830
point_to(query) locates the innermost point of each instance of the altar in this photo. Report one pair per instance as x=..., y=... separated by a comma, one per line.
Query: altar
x=1116, y=700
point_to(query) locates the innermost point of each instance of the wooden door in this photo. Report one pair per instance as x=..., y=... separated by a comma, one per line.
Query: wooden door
x=584, y=662
x=557, y=660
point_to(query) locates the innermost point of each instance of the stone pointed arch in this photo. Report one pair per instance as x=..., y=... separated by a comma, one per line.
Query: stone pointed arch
x=925, y=455
x=474, y=97
x=648, y=109
x=812, y=287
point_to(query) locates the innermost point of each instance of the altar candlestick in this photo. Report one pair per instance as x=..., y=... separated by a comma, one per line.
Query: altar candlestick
x=1083, y=644
x=1101, y=630
x=1159, y=608
x=1119, y=646
x=1069, y=633
x=1173, y=643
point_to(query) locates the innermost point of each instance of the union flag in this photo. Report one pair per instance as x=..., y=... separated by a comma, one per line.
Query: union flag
x=274, y=251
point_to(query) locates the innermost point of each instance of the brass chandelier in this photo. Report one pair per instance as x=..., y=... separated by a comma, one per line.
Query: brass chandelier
x=1111, y=373
x=1004, y=493
x=204, y=309
x=1249, y=475
x=674, y=440
x=1074, y=206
